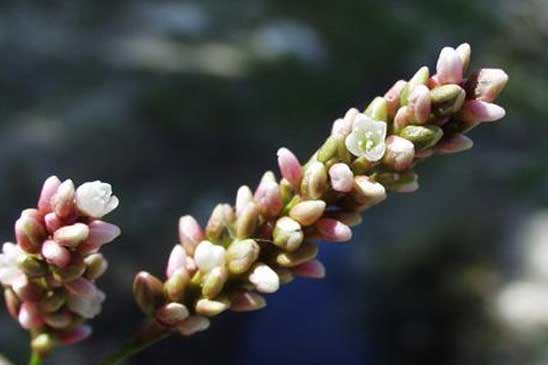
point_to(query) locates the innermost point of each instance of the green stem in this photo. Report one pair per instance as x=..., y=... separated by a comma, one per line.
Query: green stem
x=150, y=334
x=36, y=358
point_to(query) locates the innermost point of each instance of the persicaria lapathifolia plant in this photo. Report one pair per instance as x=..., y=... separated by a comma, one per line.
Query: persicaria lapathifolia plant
x=267, y=237
x=49, y=275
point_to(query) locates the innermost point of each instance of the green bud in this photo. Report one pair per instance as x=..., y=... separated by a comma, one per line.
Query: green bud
x=308, y=251
x=32, y=266
x=342, y=152
x=314, y=183
x=404, y=182
x=240, y=255
x=287, y=234
x=328, y=150
x=96, y=266
x=214, y=282
x=447, y=99
x=43, y=343
x=243, y=301
x=211, y=308
x=308, y=212
x=287, y=190
x=247, y=221
x=361, y=165
x=69, y=273
x=175, y=286
x=423, y=137
x=52, y=301
x=221, y=217
x=420, y=78
x=378, y=109
x=366, y=193
x=148, y=292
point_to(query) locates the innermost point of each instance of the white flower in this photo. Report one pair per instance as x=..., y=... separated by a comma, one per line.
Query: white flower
x=208, y=256
x=87, y=307
x=9, y=271
x=367, y=138
x=265, y=279
x=95, y=199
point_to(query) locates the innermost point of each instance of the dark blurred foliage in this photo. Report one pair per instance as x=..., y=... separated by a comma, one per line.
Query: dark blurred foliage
x=177, y=103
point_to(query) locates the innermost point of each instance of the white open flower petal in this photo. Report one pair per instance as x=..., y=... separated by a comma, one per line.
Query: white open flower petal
x=95, y=199
x=375, y=153
x=87, y=307
x=9, y=270
x=367, y=138
x=352, y=143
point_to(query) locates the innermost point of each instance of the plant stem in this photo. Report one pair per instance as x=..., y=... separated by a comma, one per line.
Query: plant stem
x=150, y=334
x=36, y=358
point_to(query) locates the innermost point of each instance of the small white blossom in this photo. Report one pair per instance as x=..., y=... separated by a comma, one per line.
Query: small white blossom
x=265, y=279
x=367, y=138
x=208, y=256
x=95, y=199
x=9, y=271
x=87, y=307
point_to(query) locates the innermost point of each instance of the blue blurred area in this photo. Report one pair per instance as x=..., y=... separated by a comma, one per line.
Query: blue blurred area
x=178, y=103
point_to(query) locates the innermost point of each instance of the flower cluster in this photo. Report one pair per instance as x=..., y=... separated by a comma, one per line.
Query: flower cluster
x=48, y=276
x=267, y=237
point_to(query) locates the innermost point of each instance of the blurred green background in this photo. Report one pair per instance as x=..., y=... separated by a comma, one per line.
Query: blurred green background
x=177, y=103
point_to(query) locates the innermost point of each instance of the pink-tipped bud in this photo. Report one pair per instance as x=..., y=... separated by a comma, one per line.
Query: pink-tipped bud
x=420, y=104
x=29, y=316
x=312, y=269
x=73, y=235
x=454, y=144
x=399, y=154
x=269, y=198
x=343, y=127
x=177, y=260
x=62, y=202
x=486, y=84
x=100, y=233
x=243, y=301
x=476, y=111
x=190, y=233
x=243, y=198
x=75, y=335
x=55, y=254
x=48, y=191
x=464, y=51
x=290, y=166
x=392, y=97
x=403, y=118
x=172, y=314
x=52, y=222
x=333, y=230
x=29, y=232
x=82, y=288
x=449, y=68
x=342, y=178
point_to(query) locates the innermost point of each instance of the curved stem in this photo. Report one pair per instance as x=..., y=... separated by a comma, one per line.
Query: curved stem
x=150, y=334
x=36, y=358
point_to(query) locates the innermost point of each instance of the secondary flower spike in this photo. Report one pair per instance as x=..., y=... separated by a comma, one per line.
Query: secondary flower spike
x=49, y=275
x=269, y=237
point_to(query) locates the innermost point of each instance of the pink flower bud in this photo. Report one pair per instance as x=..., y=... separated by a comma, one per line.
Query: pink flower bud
x=486, y=84
x=100, y=233
x=172, y=314
x=454, y=144
x=342, y=178
x=475, y=111
x=449, y=67
x=82, y=288
x=52, y=222
x=420, y=104
x=29, y=316
x=30, y=233
x=333, y=230
x=177, y=260
x=269, y=198
x=464, y=51
x=290, y=166
x=48, y=190
x=312, y=269
x=243, y=198
x=403, y=118
x=392, y=97
x=56, y=254
x=193, y=324
x=343, y=127
x=71, y=236
x=400, y=153
x=75, y=335
x=190, y=233
x=59, y=320
x=62, y=202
